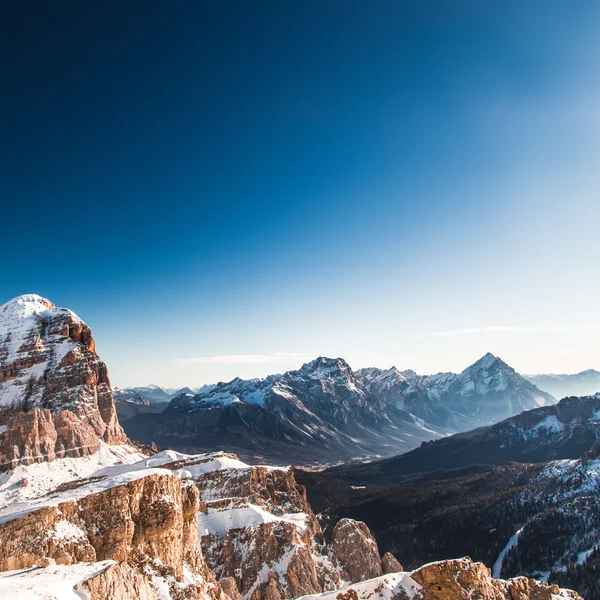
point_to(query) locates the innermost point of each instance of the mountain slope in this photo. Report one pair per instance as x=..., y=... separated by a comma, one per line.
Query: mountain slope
x=586, y=383
x=563, y=431
x=325, y=412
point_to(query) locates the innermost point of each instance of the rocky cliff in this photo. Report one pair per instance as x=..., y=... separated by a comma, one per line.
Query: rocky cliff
x=55, y=394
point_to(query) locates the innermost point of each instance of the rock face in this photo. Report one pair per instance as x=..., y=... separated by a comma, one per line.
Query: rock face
x=150, y=518
x=390, y=564
x=258, y=530
x=55, y=394
x=463, y=579
x=142, y=517
x=355, y=548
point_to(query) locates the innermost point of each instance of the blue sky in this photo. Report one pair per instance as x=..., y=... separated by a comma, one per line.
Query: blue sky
x=231, y=188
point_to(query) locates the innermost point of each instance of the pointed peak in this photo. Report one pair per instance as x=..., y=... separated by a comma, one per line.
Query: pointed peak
x=487, y=361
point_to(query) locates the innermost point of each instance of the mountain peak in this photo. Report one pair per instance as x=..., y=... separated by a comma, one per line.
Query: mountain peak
x=26, y=305
x=324, y=363
x=487, y=361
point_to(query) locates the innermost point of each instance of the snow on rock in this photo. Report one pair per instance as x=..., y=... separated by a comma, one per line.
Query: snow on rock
x=55, y=392
x=56, y=582
x=218, y=521
x=387, y=587
x=459, y=579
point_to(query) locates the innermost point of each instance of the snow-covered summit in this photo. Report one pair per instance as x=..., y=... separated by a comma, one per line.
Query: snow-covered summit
x=48, y=360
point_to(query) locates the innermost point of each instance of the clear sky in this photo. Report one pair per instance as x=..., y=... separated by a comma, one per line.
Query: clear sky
x=231, y=188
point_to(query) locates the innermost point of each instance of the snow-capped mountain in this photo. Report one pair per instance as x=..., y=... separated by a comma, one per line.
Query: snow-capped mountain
x=326, y=412
x=55, y=394
x=156, y=394
x=585, y=383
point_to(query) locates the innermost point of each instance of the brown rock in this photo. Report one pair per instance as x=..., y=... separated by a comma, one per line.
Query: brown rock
x=356, y=549
x=230, y=588
x=462, y=579
x=389, y=564
x=65, y=406
x=119, y=582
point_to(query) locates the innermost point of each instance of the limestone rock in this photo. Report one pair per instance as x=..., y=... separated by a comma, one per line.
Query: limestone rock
x=356, y=549
x=390, y=564
x=55, y=394
x=460, y=579
x=280, y=533
x=230, y=588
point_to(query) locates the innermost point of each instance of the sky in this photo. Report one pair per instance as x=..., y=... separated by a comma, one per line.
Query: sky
x=231, y=188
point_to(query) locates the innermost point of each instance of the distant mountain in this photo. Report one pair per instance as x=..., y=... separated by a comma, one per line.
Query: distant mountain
x=155, y=394
x=585, y=383
x=562, y=431
x=487, y=391
x=325, y=412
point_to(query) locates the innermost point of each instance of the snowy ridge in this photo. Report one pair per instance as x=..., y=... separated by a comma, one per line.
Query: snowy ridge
x=27, y=489
x=388, y=587
x=24, y=340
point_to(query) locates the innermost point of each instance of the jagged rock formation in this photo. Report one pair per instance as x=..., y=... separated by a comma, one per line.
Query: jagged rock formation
x=460, y=579
x=55, y=395
x=142, y=516
x=325, y=411
x=389, y=564
x=258, y=529
x=356, y=549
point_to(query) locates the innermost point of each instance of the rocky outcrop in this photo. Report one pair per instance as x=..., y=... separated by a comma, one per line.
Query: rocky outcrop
x=462, y=579
x=148, y=523
x=119, y=581
x=55, y=394
x=356, y=549
x=390, y=564
x=153, y=517
x=258, y=529
x=448, y=580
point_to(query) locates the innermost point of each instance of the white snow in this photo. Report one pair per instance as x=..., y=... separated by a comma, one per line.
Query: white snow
x=56, y=582
x=26, y=483
x=65, y=530
x=513, y=541
x=219, y=521
x=550, y=424
x=386, y=587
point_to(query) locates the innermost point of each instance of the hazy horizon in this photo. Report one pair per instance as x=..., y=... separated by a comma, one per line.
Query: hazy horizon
x=221, y=189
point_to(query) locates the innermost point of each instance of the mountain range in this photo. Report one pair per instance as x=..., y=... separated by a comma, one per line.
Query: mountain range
x=86, y=512
x=586, y=383
x=326, y=412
